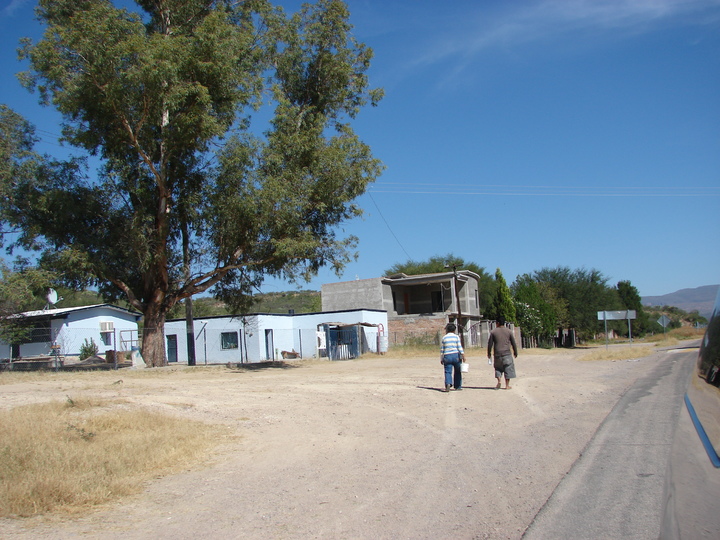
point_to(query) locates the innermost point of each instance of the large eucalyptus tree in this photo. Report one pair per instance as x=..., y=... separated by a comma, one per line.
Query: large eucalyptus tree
x=193, y=194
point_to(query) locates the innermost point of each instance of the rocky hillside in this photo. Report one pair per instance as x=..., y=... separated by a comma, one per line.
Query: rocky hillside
x=701, y=299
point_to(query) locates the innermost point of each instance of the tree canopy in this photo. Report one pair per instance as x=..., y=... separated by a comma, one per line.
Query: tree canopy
x=538, y=310
x=584, y=293
x=503, y=307
x=630, y=299
x=18, y=161
x=193, y=195
x=434, y=265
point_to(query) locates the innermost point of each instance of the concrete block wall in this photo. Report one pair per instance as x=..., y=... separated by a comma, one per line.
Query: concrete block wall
x=364, y=292
x=426, y=328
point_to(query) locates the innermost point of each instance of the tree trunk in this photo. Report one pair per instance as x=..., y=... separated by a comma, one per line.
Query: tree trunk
x=153, y=343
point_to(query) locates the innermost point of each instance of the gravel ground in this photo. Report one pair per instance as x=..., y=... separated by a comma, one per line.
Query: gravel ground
x=367, y=448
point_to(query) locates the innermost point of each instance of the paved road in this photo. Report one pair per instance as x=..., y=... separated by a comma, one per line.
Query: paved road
x=615, y=489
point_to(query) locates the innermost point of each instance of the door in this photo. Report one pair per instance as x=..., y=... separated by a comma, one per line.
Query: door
x=172, y=348
x=269, y=346
x=436, y=301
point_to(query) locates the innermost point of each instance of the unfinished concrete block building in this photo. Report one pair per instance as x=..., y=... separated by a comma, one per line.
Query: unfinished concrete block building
x=418, y=306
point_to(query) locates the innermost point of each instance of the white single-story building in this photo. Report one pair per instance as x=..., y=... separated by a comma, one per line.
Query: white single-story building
x=260, y=337
x=62, y=331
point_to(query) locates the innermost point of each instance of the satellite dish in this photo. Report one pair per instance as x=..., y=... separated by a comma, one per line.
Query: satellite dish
x=52, y=297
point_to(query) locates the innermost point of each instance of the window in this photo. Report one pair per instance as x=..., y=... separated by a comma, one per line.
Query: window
x=229, y=340
x=41, y=332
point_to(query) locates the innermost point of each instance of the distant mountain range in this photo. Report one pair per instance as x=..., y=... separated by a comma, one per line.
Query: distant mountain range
x=701, y=299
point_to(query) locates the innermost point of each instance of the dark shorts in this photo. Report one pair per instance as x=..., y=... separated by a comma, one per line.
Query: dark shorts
x=504, y=366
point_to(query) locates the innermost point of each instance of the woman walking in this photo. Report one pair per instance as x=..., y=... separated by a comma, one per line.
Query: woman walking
x=451, y=356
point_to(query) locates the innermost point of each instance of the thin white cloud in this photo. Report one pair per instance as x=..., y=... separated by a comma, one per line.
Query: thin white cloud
x=613, y=14
x=525, y=23
x=13, y=7
x=608, y=13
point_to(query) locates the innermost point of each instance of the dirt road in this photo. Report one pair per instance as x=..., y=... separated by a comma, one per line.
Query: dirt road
x=367, y=448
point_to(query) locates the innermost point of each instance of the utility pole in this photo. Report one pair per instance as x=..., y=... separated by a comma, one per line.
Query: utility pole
x=190, y=331
x=189, y=323
x=461, y=330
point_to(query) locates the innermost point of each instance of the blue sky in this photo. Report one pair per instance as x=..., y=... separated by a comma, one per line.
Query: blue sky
x=526, y=134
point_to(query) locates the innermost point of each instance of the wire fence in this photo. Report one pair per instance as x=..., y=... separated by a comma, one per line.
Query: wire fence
x=236, y=345
x=69, y=344
x=49, y=347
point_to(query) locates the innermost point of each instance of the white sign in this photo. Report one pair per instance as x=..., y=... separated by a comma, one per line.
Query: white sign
x=321, y=340
x=622, y=315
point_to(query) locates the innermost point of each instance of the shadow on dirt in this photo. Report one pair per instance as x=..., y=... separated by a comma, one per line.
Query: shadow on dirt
x=260, y=366
x=435, y=389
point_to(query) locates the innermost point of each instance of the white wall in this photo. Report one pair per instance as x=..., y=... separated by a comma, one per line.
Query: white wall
x=289, y=333
x=82, y=325
x=208, y=334
x=73, y=328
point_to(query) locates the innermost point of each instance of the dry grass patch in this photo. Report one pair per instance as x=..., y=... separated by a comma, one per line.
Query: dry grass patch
x=67, y=456
x=618, y=353
x=110, y=376
x=660, y=341
x=413, y=351
x=15, y=377
x=674, y=336
x=539, y=351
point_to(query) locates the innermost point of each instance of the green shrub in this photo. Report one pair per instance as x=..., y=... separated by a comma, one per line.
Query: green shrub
x=88, y=349
x=421, y=340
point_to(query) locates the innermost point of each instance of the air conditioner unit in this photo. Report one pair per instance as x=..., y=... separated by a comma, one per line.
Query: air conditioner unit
x=106, y=327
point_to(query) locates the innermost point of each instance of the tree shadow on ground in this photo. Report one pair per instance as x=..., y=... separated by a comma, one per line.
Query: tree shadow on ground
x=258, y=366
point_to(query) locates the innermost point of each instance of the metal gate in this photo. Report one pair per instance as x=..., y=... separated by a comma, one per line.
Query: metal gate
x=343, y=343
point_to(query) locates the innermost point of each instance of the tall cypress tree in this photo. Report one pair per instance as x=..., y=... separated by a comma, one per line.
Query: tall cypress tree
x=503, y=306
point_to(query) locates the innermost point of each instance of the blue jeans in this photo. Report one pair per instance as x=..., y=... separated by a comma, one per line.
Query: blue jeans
x=452, y=362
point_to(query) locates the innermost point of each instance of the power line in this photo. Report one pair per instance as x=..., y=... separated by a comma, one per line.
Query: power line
x=420, y=188
x=388, y=226
x=52, y=143
x=38, y=130
x=48, y=137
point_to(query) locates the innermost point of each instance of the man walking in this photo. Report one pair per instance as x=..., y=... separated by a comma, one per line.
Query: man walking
x=502, y=339
x=451, y=356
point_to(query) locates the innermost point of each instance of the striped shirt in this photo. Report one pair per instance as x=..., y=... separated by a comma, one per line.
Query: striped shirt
x=451, y=345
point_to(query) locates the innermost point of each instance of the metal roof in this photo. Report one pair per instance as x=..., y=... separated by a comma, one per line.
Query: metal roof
x=398, y=279
x=57, y=313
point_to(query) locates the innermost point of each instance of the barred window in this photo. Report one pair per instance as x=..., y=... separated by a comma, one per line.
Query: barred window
x=41, y=332
x=229, y=340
